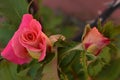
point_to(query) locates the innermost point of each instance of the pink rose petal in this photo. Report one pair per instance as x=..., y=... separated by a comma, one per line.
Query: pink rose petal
x=19, y=50
x=25, y=21
x=9, y=54
x=95, y=41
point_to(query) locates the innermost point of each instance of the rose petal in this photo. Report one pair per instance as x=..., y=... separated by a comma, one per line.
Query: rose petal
x=19, y=50
x=93, y=36
x=43, y=54
x=27, y=43
x=43, y=47
x=26, y=19
x=48, y=41
x=34, y=54
x=35, y=25
x=9, y=54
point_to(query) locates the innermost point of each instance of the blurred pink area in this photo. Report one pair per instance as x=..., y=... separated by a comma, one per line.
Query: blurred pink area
x=85, y=10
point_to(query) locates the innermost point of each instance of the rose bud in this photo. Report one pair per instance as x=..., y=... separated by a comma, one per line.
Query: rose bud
x=94, y=41
x=28, y=42
x=55, y=38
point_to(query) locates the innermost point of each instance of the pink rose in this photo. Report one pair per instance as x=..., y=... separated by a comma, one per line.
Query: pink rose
x=28, y=42
x=94, y=41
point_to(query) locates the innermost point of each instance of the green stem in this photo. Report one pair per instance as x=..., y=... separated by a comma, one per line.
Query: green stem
x=29, y=5
x=84, y=63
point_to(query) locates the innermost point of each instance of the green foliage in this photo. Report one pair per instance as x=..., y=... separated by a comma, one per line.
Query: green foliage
x=6, y=32
x=109, y=30
x=110, y=72
x=13, y=10
x=70, y=66
x=97, y=65
x=10, y=72
x=48, y=58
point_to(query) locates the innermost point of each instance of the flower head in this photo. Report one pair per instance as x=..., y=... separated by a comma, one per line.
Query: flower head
x=94, y=41
x=28, y=42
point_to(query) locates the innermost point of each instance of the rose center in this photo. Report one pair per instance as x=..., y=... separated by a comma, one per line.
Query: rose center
x=29, y=36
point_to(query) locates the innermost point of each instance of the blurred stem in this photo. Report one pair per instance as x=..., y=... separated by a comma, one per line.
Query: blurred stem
x=29, y=5
x=84, y=63
x=50, y=71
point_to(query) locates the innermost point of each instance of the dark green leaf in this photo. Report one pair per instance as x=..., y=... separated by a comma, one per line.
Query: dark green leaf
x=36, y=71
x=69, y=60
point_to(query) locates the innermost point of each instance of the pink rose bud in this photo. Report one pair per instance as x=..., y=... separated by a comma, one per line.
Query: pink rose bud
x=55, y=38
x=94, y=41
x=28, y=42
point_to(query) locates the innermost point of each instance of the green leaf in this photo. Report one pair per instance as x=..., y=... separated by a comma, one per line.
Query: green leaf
x=13, y=10
x=73, y=70
x=90, y=56
x=48, y=58
x=110, y=72
x=10, y=71
x=109, y=30
x=105, y=55
x=23, y=75
x=115, y=47
x=69, y=61
x=117, y=41
x=7, y=70
x=67, y=51
x=6, y=32
x=35, y=69
x=87, y=29
x=38, y=72
x=23, y=72
x=97, y=65
x=116, y=31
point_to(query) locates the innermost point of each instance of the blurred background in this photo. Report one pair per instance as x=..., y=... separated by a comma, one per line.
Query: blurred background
x=65, y=17
x=82, y=9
